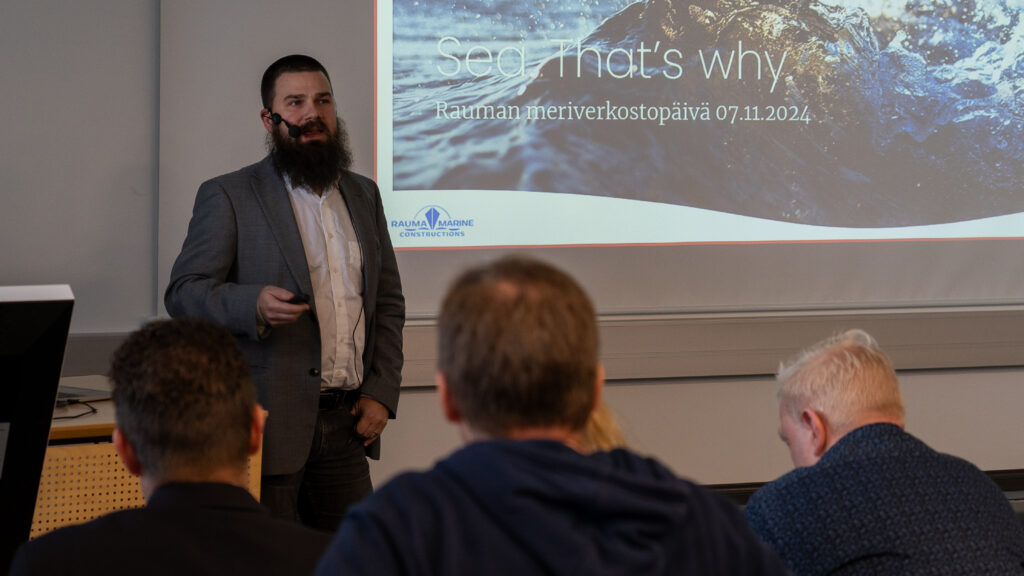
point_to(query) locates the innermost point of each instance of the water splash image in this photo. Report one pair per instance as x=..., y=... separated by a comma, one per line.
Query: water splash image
x=858, y=114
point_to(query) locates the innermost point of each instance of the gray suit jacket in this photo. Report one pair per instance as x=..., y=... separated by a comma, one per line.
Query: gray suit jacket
x=242, y=237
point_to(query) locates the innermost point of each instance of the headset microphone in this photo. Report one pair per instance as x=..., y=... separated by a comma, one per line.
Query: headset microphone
x=293, y=130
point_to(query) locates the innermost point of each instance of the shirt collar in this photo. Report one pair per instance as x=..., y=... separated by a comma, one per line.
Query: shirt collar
x=293, y=190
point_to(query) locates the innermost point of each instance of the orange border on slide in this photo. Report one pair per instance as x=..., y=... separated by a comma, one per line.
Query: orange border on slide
x=376, y=41
x=709, y=243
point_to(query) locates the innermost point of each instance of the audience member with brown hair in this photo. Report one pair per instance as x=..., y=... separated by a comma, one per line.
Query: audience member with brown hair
x=519, y=375
x=602, y=431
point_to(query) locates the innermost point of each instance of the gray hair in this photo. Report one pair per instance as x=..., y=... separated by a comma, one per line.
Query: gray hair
x=842, y=378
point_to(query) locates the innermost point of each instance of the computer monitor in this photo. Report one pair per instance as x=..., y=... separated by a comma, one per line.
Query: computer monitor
x=34, y=324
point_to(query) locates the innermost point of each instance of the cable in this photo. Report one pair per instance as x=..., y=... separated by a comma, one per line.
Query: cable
x=356, y=360
x=90, y=410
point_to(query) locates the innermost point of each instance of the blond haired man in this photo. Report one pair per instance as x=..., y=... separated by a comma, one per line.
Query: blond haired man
x=866, y=496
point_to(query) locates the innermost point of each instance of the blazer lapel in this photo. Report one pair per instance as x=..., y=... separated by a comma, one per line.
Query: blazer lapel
x=355, y=199
x=352, y=193
x=272, y=195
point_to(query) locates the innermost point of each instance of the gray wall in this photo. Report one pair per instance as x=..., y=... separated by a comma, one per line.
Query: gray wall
x=212, y=56
x=725, y=430
x=78, y=156
x=117, y=110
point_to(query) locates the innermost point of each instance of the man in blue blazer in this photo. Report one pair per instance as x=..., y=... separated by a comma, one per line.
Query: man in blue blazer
x=186, y=423
x=292, y=255
x=867, y=497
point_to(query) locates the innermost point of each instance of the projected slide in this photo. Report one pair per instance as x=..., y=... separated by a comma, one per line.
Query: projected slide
x=506, y=123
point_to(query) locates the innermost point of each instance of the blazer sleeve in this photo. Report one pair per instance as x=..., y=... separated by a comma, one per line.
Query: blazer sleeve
x=202, y=280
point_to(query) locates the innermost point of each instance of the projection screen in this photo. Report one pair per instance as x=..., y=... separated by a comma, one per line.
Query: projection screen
x=851, y=153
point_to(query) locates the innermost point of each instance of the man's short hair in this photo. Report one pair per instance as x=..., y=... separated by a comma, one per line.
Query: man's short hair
x=292, y=63
x=518, y=347
x=182, y=396
x=843, y=378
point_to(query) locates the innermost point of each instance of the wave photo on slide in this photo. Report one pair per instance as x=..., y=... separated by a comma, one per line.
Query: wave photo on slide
x=833, y=113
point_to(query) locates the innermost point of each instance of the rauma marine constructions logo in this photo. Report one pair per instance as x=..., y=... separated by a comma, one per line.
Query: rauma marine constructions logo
x=433, y=222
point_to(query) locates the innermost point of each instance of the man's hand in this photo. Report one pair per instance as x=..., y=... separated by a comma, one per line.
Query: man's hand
x=274, y=308
x=371, y=418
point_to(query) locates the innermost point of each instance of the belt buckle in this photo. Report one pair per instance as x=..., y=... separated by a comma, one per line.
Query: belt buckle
x=333, y=398
x=330, y=399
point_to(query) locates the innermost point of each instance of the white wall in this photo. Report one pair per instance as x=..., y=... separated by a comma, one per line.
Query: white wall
x=78, y=154
x=93, y=91
x=212, y=57
x=725, y=430
x=719, y=430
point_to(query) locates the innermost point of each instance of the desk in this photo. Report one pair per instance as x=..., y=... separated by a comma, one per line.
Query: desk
x=67, y=427
x=83, y=477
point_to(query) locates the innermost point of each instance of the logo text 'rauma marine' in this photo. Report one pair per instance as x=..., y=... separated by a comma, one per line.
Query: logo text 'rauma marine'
x=433, y=222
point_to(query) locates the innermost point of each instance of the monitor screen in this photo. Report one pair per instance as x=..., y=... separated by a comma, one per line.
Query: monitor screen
x=34, y=323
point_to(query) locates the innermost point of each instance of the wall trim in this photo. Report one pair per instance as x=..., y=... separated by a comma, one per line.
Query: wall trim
x=658, y=346
x=655, y=346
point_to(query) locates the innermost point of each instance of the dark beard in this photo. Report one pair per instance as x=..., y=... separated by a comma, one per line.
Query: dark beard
x=316, y=165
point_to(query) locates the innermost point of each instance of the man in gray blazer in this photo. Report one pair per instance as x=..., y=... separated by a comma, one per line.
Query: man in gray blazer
x=292, y=254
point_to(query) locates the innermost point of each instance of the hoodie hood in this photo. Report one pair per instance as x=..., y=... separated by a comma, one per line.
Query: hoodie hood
x=610, y=512
x=503, y=507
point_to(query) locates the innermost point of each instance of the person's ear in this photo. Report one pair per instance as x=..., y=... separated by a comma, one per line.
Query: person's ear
x=448, y=403
x=265, y=118
x=126, y=452
x=259, y=422
x=818, y=430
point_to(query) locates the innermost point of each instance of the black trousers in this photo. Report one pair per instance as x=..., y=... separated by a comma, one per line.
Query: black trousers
x=336, y=474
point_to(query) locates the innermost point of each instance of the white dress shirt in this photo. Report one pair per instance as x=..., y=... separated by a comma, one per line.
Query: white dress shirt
x=335, y=262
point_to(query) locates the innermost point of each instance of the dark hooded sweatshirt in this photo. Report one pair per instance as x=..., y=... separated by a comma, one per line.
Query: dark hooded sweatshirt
x=538, y=507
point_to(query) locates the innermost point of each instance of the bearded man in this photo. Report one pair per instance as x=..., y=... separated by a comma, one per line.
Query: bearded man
x=292, y=255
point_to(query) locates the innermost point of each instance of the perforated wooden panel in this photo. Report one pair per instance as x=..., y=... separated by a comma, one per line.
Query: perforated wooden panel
x=80, y=482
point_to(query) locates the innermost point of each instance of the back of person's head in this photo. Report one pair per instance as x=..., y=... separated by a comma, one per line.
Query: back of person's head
x=845, y=378
x=284, y=65
x=182, y=397
x=518, y=347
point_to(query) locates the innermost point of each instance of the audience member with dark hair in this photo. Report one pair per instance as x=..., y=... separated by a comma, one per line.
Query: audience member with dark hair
x=519, y=375
x=186, y=422
x=867, y=497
